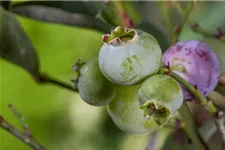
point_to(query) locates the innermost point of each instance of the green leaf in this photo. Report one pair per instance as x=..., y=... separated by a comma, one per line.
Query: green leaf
x=151, y=29
x=221, y=89
x=166, y=138
x=15, y=45
x=189, y=126
x=218, y=99
x=5, y=4
x=58, y=118
x=209, y=15
x=179, y=138
x=59, y=16
x=207, y=130
x=80, y=7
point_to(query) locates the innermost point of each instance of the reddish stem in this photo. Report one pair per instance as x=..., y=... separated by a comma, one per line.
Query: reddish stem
x=122, y=13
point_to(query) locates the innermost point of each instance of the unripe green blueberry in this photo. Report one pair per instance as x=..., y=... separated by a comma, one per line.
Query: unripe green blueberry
x=129, y=55
x=126, y=114
x=93, y=87
x=160, y=96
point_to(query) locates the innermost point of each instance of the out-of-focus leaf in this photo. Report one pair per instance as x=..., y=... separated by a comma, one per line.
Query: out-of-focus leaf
x=134, y=142
x=207, y=130
x=80, y=7
x=190, y=126
x=209, y=15
x=59, y=16
x=219, y=48
x=209, y=133
x=152, y=145
x=218, y=99
x=167, y=138
x=203, y=121
x=108, y=13
x=133, y=11
x=151, y=29
x=58, y=118
x=88, y=7
x=15, y=46
x=5, y=4
x=179, y=138
x=221, y=89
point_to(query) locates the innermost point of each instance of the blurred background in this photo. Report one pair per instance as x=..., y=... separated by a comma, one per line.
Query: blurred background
x=57, y=117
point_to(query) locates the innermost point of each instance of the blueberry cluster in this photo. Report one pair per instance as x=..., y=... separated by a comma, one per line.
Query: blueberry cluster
x=127, y=77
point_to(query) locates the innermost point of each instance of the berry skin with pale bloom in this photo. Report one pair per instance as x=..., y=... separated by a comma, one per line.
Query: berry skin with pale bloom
x=93, y=87
x=128, y=56
x=195, y=62
x=126, y=114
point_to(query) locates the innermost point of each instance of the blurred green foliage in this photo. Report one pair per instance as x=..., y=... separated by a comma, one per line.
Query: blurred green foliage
x=58, y=118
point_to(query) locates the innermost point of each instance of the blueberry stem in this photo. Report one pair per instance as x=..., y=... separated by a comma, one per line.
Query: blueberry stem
x=122, y=13
x=203, y=101
x=26, y=137
x=179, y=68
x=47, y=79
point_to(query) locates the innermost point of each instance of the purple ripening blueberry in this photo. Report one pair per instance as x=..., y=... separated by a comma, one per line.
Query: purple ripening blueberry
x=195, y=62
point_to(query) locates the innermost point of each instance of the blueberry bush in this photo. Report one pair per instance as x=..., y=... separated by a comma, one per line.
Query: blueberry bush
x=112, y=75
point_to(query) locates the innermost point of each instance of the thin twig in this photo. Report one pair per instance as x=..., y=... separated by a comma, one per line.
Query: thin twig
x=197, y=28
x=25, y=138
x=47, y=79
x=122, y=13
x=22, y=120
x=219, y=121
